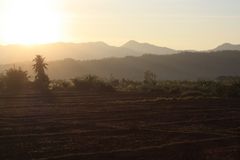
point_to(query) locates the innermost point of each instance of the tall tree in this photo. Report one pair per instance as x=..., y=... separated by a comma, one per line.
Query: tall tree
x=41, y=78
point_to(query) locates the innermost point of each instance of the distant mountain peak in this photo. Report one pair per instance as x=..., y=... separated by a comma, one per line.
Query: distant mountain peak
x=98, y=43
x=227, y=46
x=147, y=48
x=131, y=42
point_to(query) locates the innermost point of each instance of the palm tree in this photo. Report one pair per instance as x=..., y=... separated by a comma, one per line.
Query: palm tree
x=41, y=78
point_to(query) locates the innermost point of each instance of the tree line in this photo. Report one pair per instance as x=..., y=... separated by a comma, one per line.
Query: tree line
x=16, y=79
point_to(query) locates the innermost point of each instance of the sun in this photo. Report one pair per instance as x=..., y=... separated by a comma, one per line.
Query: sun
x=30, y=22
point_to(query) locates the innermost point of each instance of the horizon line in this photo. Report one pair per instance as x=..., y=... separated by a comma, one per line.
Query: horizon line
x=86, y=42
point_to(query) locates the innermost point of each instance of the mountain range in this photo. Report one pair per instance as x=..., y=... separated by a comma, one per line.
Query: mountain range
x=131, y=60
x=182, y=66
x=87, y=51
x=79, y=51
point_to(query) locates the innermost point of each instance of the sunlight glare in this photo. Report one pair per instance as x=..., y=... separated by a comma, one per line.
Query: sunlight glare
x=30, y=22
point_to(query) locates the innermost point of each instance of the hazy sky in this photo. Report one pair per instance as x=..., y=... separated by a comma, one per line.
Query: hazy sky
x=179, y=24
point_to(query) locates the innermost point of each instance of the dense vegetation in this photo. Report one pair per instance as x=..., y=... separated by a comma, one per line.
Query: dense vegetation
x=16, y=80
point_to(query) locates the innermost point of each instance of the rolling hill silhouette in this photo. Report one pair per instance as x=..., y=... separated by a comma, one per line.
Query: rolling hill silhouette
x=87, y=51
x=182, y=66
x=228, y=46
x=80, y=51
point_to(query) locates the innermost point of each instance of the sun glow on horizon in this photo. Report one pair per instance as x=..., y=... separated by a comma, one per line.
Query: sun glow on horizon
x=179, y=24
x=30, y=22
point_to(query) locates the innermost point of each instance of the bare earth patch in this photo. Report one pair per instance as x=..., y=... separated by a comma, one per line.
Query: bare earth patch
x=73, y=126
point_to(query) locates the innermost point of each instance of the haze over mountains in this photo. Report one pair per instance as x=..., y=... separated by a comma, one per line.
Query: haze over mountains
x=182, y=66
x=131, y=60
x=86, y=51
x=79, y=51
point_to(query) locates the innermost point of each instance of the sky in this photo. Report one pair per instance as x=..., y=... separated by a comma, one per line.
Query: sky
x=178, y=24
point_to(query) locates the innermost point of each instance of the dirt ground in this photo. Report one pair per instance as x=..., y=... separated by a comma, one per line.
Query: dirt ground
x=114, y=126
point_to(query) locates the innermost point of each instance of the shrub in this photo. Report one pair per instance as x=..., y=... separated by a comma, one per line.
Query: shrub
x=91, y=83
x=114, y=82
x=150, y=78
x=16, y=79
x=60, y=85
x=234, y=90
x=129, y=85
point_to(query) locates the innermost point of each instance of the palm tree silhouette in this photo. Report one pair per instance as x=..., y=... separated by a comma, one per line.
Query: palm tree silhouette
x=41, y=78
